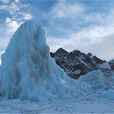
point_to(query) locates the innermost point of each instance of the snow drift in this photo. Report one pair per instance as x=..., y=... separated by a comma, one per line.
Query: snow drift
x=28, y=72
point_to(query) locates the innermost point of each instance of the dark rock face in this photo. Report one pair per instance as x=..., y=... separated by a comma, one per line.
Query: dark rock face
x=52, y=54
x=76, y=63
x=111, y=64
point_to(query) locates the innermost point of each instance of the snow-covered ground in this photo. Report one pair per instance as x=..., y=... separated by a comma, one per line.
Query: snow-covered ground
x=99, y=103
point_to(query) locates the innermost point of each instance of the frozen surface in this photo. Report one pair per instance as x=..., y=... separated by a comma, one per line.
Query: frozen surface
x=105, y=65
x=98, y=103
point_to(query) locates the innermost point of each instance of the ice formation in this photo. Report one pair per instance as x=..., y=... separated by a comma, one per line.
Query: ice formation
x=97, y=80
x=28, y=71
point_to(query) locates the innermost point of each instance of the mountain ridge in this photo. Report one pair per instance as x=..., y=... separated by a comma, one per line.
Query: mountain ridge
x=77, y=63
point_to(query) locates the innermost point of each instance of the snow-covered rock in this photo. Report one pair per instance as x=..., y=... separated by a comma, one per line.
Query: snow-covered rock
x=97, y=80
x=76, y=63
x=111, y=63
x=105, y=65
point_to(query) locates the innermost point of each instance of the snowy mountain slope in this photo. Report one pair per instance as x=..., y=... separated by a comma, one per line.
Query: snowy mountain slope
x=76, y=63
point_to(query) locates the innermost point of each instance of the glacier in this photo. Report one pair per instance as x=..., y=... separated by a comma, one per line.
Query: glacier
x=29, y=73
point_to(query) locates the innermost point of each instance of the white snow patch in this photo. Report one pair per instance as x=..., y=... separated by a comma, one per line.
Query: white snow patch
x=105, y=65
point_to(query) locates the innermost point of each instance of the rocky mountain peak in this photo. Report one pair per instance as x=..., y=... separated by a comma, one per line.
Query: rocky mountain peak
x=76, y=63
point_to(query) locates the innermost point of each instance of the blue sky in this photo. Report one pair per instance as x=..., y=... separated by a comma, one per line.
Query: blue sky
x=87, y=25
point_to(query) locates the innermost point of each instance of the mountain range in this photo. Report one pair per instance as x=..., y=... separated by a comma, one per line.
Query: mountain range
x=77, y=63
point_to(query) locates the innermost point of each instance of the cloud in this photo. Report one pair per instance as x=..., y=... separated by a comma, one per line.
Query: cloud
x=71, y=25
x=96, y=38
x=5, y=1
x=63, y=18
x=15, y=9
x=63, y=9
x=6, y=32
x=27, y=16
x=12, y=8
x=11, y=25
x=16, y=16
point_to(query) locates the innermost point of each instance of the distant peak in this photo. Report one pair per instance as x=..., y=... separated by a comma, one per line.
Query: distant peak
x=76, y=51
x=61, y=50
x=89, y=54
